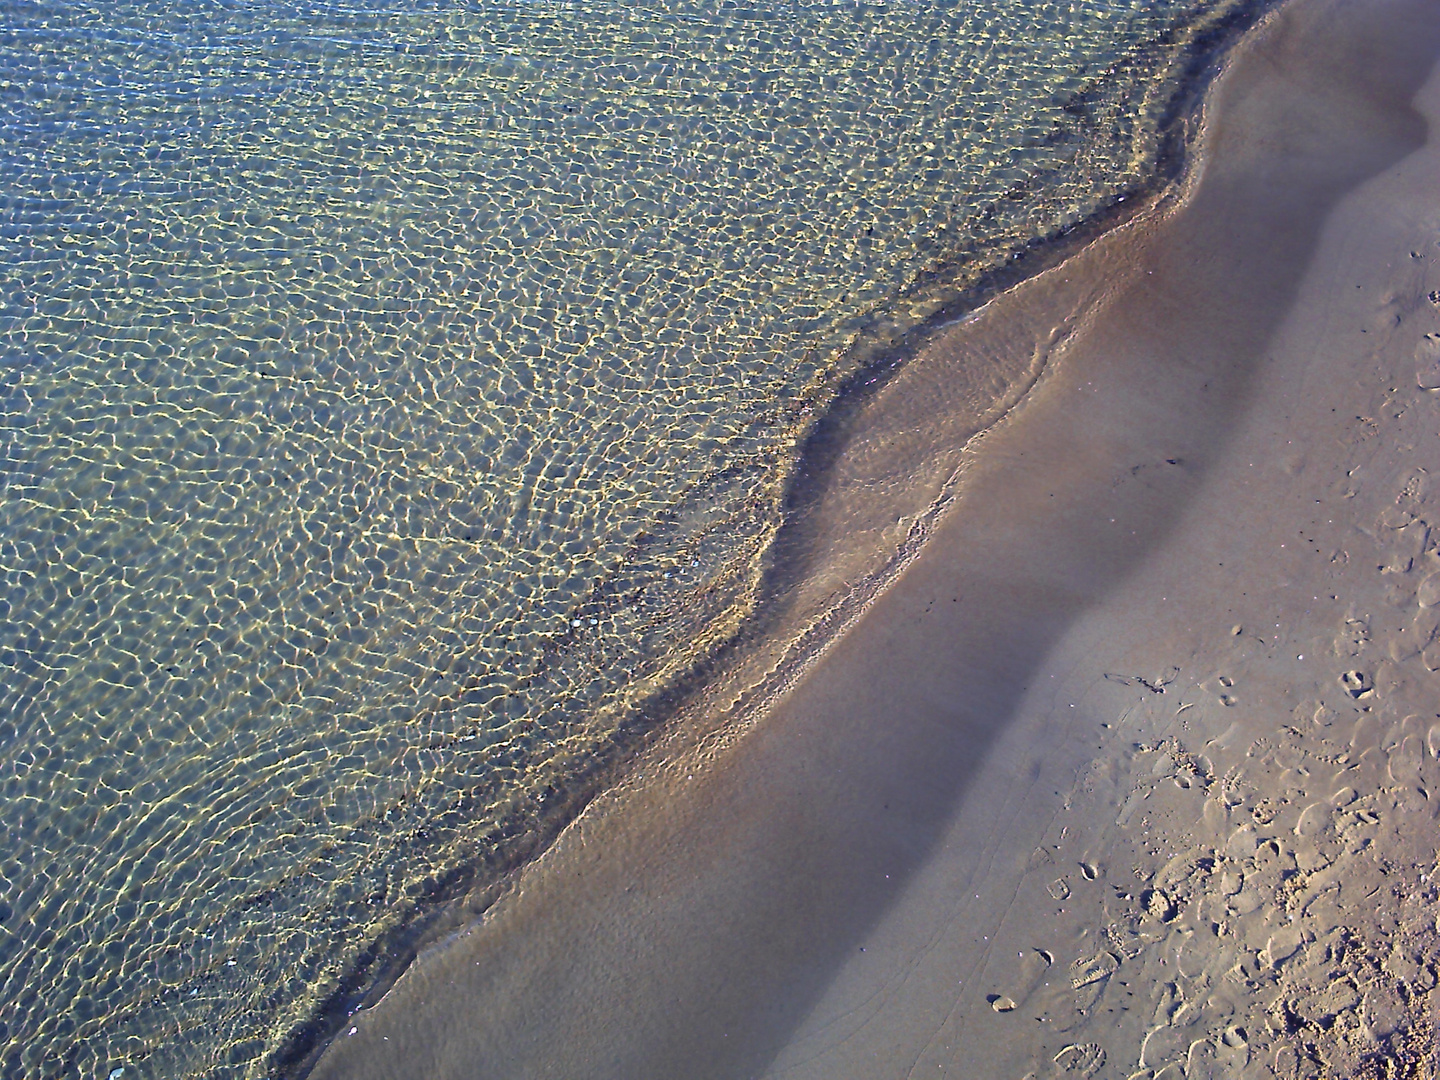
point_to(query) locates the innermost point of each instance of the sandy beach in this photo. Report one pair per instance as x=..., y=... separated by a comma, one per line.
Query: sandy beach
x=1131, y=772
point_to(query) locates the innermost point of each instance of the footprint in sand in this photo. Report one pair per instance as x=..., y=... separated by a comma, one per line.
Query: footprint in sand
x=1206, y=1060
x=1033, y=967
x=1405, y=761
x=1034, y=963
x=1089, y=977
x=1163, y=1044
x=1092, y=969
x=1353, y=637
x=1159, y=906
x=1402, y=647
x=1313, y=821
x=1427, y=353
x=1080, y=1059
x=1428, y=593
x=1357, y=683
x=1424, y=627
x=1287, y=1063
x=1281, y=946
x=1406, y=966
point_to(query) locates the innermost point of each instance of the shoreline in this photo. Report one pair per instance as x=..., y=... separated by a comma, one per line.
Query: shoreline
x=1200, y=52
x=834, y=836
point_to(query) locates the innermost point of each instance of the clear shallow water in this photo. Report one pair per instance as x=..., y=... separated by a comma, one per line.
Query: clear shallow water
x=391, y=396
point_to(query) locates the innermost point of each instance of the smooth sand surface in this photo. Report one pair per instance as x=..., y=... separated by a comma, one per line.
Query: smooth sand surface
x=1129, y=772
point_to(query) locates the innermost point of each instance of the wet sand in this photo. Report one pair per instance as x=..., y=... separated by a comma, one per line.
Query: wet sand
x=1129, y=772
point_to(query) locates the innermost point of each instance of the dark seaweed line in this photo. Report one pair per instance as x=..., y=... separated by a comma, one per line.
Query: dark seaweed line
x=532, y=825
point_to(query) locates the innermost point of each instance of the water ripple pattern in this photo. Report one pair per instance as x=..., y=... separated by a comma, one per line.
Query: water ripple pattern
x=389, y=394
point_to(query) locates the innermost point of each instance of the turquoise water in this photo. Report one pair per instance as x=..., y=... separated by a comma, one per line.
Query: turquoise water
x=394, y=396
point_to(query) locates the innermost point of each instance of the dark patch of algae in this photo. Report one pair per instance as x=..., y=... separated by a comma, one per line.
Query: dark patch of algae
x=271, y=720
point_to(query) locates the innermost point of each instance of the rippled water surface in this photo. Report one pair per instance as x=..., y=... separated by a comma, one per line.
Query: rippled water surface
x=392, y=395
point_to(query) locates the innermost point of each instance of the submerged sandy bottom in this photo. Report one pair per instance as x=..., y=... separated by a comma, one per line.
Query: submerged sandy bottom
x=1130, y=773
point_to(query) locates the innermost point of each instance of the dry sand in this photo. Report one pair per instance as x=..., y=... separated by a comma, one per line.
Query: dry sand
x=1132, y=772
